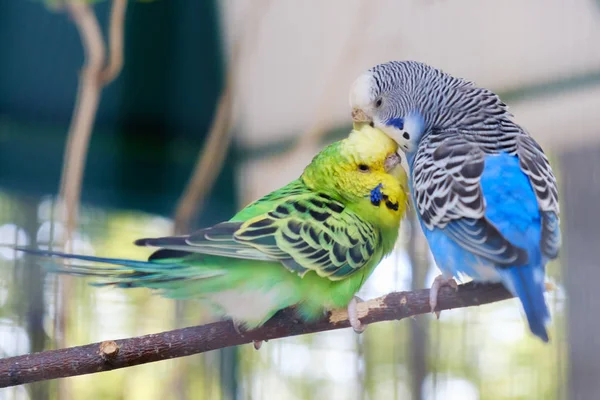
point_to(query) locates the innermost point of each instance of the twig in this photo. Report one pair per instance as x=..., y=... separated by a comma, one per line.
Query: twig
x=208, y=165
x=94, y=76
x=109, y=355
x=212, y=155
x=84, y=114
x=116, y=37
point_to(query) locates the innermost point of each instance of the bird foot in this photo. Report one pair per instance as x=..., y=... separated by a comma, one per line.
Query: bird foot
x=358, y=326
x=438, y=282
x=239, y=329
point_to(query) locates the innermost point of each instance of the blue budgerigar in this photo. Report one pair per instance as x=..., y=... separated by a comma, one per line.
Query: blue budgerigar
x=484, y=191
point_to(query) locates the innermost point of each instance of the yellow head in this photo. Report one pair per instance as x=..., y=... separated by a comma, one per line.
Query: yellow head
x=364, y=172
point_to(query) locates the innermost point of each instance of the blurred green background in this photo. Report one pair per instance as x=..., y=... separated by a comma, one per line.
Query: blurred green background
x=287, y=66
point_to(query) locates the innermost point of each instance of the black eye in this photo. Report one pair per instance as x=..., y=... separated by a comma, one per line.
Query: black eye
x=363, y=168
x=378, y=102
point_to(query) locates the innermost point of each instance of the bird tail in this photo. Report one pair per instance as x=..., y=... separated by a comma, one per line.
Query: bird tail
x=123, y=273
x=527, y=283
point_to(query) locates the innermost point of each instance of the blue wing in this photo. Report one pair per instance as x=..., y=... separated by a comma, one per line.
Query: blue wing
x=511, y=203
x=448, y=192
x=448, y=195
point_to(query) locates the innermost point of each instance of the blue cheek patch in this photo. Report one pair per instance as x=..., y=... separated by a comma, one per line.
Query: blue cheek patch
x=396, y=122
x=376, y=195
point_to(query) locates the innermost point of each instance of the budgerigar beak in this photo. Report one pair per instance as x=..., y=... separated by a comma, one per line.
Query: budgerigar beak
x=391, y=162
x=360, y=117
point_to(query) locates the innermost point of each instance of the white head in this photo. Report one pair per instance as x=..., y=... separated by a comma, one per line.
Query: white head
x=379, y=97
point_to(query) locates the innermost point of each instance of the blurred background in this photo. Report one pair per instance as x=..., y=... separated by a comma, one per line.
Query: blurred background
x=150, y=118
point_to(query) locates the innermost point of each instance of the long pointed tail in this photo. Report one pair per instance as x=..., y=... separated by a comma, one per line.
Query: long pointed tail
x=105, y=260
x=123, y=272
x=527, y=283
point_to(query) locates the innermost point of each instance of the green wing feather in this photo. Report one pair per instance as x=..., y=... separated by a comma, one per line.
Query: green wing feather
x=303, y=230
x=312, y=232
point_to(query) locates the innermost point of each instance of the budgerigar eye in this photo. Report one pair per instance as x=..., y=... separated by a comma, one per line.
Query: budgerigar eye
x=378, y=102
x=363, y=168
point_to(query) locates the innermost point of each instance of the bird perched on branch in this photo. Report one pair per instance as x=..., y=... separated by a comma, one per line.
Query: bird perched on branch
x=312, y=243
x=483, y=189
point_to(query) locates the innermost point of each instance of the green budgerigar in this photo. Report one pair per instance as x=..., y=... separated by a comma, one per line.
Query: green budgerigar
x=312, y=243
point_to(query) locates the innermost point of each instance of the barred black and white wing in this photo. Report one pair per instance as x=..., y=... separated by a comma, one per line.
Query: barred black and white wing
x=447, y=192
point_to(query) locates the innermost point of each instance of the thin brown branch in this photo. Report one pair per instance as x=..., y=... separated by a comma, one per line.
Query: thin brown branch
x=208, y=165
x=93, y=77
x=109, y=355
x=84, y=114
x=116, y=38
x=212, y=155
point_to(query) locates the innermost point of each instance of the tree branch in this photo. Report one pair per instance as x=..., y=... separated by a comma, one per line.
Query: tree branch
x=109, y=355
